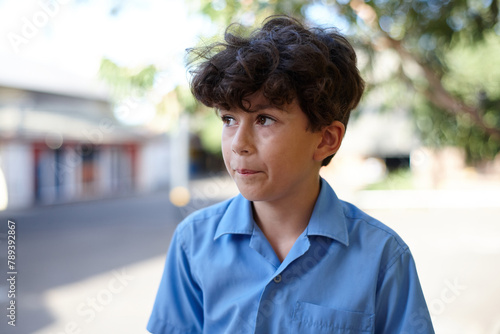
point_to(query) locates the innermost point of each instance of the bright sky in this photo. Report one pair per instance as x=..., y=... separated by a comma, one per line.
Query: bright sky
x=76, y=35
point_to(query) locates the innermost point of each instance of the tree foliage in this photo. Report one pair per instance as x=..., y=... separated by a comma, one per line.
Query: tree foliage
x=127, y=81
x=437, y=58
x=447, y=66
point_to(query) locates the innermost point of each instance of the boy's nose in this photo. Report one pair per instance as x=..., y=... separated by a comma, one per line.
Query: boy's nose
x=242, y=141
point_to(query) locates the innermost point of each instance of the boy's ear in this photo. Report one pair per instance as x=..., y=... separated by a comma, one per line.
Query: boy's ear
x=331, y=138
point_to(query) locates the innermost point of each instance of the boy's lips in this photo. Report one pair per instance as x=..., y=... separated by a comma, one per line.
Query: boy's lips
x=243, y=171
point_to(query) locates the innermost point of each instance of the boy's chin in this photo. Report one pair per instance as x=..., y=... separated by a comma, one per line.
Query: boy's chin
x=253, y=195
x=249, y=195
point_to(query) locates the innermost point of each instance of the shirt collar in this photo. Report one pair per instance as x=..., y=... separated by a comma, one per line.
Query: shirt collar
x=328, y=217
x=238, y=218
x=327, y=220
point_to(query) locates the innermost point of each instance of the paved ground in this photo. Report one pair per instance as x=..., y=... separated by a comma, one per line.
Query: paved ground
x=94, y=267
x=68, y=257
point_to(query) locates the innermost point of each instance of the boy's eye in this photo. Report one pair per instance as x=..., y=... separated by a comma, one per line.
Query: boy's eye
x=228, y=120
x=265, y=120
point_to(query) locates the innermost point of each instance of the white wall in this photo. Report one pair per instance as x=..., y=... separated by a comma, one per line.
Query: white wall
x=153, y=165
x=16, y=163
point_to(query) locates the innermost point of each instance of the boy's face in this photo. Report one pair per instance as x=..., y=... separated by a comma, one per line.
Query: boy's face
x=269, y=152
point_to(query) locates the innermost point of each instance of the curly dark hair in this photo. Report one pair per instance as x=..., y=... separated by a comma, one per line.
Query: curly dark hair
x=285, y=61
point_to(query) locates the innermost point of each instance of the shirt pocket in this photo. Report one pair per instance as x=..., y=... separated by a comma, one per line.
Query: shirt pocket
x=311, y=318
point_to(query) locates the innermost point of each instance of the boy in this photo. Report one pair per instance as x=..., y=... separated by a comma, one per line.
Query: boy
x=286, y=255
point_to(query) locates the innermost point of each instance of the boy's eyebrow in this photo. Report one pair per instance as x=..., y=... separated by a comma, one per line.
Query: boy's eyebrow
x=253, y=109
x=260, y=107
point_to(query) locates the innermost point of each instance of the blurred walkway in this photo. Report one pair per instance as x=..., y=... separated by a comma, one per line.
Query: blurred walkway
x=85, y=266
x=94, y=267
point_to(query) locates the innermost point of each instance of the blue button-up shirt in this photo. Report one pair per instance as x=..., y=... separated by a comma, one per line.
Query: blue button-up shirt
x=346, y=273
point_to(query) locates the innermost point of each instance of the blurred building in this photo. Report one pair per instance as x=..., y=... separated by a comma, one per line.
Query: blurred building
x=59, y=141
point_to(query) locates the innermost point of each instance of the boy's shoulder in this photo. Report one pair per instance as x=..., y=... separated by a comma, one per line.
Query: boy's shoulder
x=356, y=216
x=351, y=224
x=367, y=232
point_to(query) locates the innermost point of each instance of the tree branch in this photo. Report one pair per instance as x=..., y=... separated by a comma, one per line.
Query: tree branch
x=435, y=92
x=442, y=98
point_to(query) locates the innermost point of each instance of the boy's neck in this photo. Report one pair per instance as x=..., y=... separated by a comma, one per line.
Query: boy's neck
x=282, y=222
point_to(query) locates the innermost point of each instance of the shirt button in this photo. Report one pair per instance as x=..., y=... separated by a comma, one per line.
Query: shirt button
x=277, y=279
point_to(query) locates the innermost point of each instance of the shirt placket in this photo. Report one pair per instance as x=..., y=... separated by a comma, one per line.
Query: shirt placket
x=274, y=310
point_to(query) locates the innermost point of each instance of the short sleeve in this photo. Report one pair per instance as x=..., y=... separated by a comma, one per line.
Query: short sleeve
x=178, y=306
x=401, y=307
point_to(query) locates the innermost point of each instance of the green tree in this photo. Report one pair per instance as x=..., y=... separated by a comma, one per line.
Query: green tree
x=447, y=69
x=444, y=58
